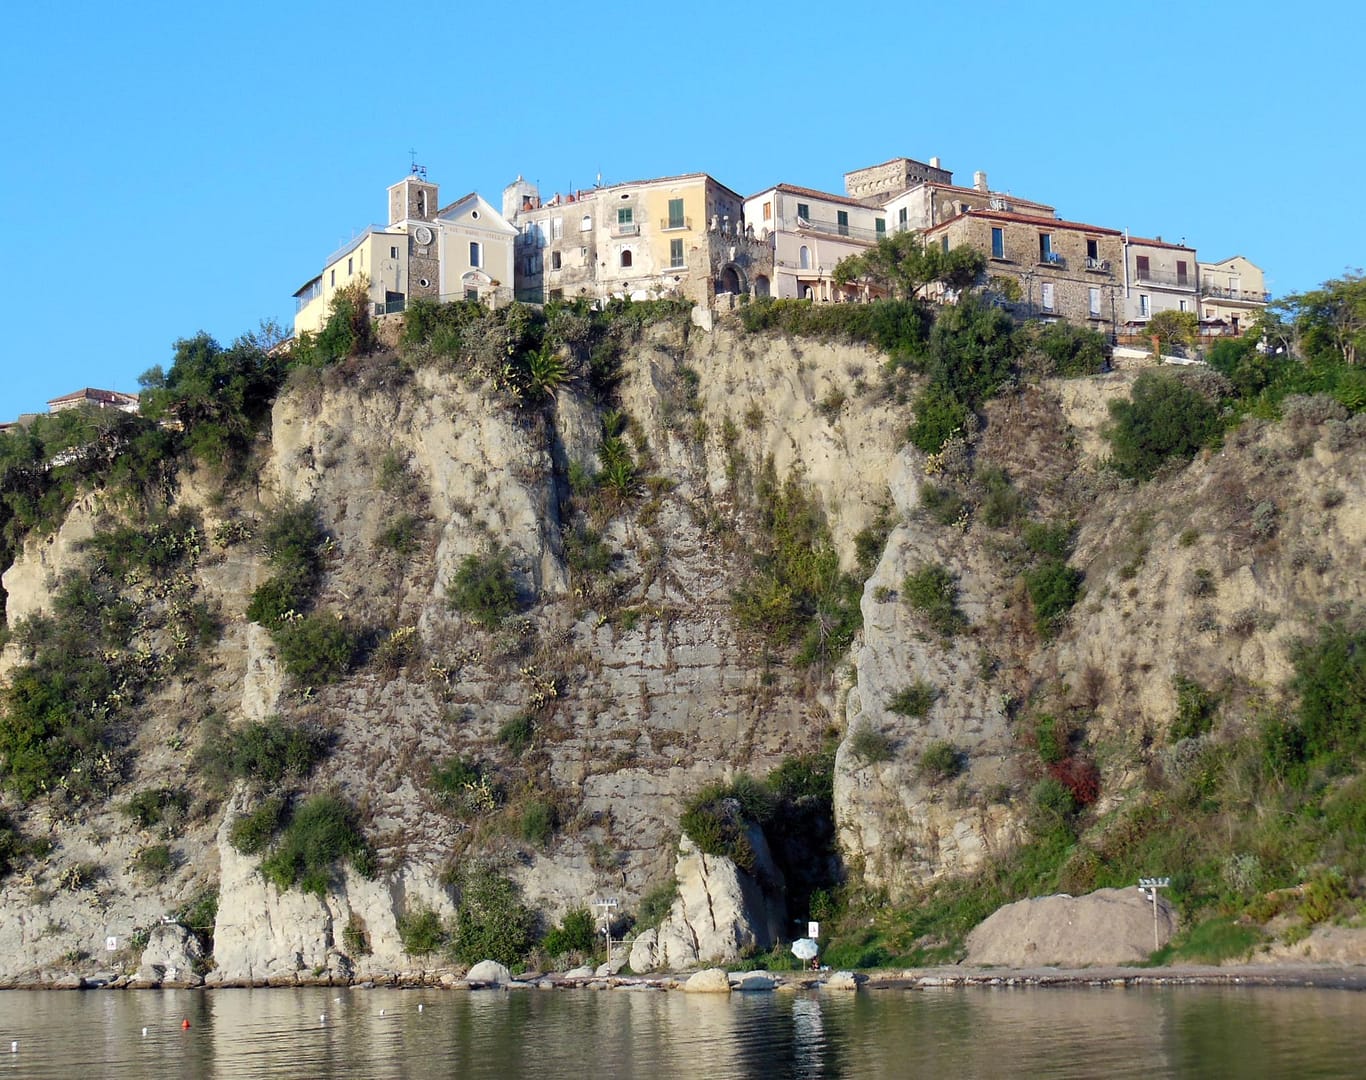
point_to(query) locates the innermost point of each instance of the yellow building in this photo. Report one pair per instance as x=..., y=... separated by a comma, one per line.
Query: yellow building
x=1232, y=290
x=406, y=259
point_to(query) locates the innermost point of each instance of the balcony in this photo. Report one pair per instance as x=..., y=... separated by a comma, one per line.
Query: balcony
x=625, y=228
x=1164, y=277
x=1246, y=296
x=1053, y=258
x=675, y=224
x=830, y=228
x=1097, y=266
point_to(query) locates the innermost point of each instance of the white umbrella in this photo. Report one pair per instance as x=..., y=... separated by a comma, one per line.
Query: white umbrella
x=805, y=949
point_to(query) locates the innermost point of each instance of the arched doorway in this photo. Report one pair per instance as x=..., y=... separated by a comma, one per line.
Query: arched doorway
x=761, y=285
x=729, y=281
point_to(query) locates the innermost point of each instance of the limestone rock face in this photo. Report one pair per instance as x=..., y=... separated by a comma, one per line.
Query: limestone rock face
x=1109, y=926
x=169, y=957
x=489, y=971
x=719, y=914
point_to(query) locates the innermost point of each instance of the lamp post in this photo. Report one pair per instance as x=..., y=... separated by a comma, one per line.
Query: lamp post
x=1149, y=886
x=606, y=906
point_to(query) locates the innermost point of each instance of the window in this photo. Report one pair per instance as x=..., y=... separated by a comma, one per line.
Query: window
x=1045, y=247
x=625, y=215
x=675, y=254
x=1141, y=265
x=1046, y=295
x=557, y=228
x=587, y=223
x=349, y=271
x=1181, y=273
x=1093, y=250
x=626, y=258
x=1143, y=308
x=804, y=211
x=804, y=258
x=1183, y=304
x=944, y=244
x=554, y=260
x=334, y=278
x=533, y=265
x=476, y=255
x=998, y=243
x=1094, y=300
x=676, y=219
x=768, y=211
x=471, y=294
x=842, y=221
x=903, y=217
x=393, y=253
x=880, y=226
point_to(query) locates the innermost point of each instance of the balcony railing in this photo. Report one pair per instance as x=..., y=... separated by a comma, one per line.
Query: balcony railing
x=674, y=224
x=625, y=228
x=1053, y=258
x=1164, y=277
x=1099, y=265
x=830, y=228
x=390, y=307
x=1246, y=295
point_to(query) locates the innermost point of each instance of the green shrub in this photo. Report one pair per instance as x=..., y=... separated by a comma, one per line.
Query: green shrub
x=1053, y=589
x=292, y=538
x=322, y=831
x=491, y=921
x=264, y=752
x=871, y=746
x=1330, y=679
x=518, y=733
x=914, y=700
x=655, y=905
x=484, y=588
x=422, y=932
x=939, y=416
x=155, y=805
x=538, y=823
x=1163, y=418
x=941, y=761
x=252, y=833
x=156, y=547
x=1071, y=351
x=718, y=819
x=154, y=863
x=944, y=505
x=402, y=535
x=354, y=938
x=316, y=648
x=1195, y=709
x=1051, y=808
x=1050, y=539
x=1054, y=738
x=1001, y=503
x=575, y=934
x=12, y=846
x=932, y=591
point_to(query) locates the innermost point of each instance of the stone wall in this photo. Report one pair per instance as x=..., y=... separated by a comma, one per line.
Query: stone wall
x=891, y=177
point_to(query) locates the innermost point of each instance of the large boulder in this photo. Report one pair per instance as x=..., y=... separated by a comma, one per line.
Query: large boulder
x=169, y=957
x=720, y=914
x=1109, y=926
x=489, y=971
x=710, y=981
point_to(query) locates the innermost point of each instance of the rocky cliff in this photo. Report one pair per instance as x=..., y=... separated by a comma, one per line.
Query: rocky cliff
x=625, y=682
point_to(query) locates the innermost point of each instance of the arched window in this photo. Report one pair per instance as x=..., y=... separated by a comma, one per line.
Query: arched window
x=587, y=223
x=626, y=258
x=805, y=258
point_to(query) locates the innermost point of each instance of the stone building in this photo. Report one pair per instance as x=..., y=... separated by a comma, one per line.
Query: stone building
x=930, y=203
x=95, y=399
x=402, y=261
x=1158, y=276
x=1232, y=291
x=673, y=236
x=1064, y=269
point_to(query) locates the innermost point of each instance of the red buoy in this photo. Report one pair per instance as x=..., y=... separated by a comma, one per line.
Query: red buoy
x=184, y=1025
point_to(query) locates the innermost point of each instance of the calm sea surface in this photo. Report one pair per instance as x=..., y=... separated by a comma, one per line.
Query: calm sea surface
x=1150, y=1032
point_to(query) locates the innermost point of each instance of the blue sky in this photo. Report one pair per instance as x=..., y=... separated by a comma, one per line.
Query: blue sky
x=168, y=168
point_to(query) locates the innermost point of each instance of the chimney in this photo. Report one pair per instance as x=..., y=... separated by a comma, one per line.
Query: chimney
x=979, y=180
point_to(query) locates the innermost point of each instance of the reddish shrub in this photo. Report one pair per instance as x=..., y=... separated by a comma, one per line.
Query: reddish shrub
x=1080, y=776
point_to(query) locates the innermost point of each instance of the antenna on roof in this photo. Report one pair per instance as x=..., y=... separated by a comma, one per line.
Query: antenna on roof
x=416, y=169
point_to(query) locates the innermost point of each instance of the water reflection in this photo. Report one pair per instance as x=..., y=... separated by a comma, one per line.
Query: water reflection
x=396, y=1035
